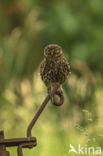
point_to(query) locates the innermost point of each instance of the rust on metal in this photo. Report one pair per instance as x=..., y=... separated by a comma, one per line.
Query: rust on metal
x=49, y=96
x=24, y=145
x=29, y=141
x=17, y=141
x=3, y=151
x=2, y=147
x=60, y=94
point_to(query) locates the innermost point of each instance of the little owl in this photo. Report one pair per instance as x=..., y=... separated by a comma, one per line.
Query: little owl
x=54, y=68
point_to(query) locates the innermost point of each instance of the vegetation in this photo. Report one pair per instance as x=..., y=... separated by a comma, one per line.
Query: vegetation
x=26, y=27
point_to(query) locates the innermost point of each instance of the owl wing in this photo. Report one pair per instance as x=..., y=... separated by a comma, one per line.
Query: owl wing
x=66, y=66
x=44, y=77
x=42, y=67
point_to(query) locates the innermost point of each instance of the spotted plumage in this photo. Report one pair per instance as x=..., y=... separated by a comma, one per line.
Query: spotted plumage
x=54, y=68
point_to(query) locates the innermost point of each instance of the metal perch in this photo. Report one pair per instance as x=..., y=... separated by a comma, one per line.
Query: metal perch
x=29, y=141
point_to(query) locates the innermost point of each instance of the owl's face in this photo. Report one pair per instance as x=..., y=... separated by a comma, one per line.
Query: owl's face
x=52, y=51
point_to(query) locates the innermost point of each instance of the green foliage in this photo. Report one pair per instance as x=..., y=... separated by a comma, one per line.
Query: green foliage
x=26, y=27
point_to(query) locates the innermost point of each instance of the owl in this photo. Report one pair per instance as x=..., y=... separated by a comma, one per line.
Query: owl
x=54, y=68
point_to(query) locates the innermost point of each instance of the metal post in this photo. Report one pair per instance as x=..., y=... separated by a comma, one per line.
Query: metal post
x=3, y=151
x=29, y=141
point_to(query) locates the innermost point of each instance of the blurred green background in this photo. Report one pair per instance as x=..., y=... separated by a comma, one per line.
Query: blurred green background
x=26, y=27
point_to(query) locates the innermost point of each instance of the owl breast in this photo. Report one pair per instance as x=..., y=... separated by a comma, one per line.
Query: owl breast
x=53, y=71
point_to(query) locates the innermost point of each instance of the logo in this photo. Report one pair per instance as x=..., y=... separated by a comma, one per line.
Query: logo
x=85, y=150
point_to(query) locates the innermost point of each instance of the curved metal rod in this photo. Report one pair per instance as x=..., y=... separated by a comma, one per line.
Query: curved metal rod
x=24, y=145
x=60, y=94
x=49, y=96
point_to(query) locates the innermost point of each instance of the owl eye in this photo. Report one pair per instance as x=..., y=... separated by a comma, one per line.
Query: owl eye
x=47, y=51
x=57, y=50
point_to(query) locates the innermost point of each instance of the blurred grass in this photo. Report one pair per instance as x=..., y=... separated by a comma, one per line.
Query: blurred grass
x=26, y=27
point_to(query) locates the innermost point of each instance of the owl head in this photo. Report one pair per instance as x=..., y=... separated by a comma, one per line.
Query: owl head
x=52, y=51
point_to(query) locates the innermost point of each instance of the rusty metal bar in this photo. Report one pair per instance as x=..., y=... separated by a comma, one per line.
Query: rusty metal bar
x=24, y=145
x=30, y=141
x=2, y=147
x=3, y=151
x=49, y=96
x=60, y=94
x=16, y=141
